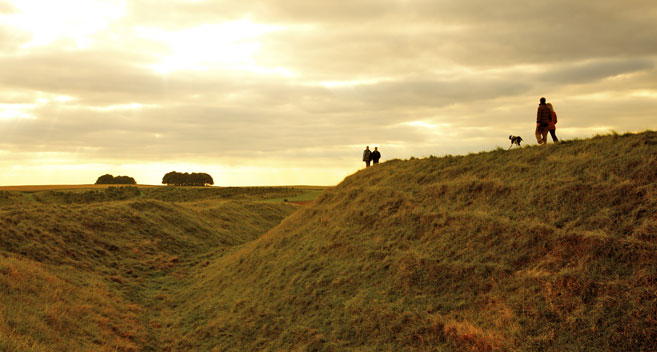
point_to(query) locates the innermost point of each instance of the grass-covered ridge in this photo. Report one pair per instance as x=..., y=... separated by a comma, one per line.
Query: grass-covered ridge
x=541, y=248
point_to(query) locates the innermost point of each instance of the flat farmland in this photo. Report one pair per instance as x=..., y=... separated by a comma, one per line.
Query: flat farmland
x=36, y=188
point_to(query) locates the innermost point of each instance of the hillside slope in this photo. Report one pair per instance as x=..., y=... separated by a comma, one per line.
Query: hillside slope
x=541, y=248
x=80, y=271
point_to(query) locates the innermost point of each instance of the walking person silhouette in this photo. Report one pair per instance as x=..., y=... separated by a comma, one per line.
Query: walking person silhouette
x=543, y=117
x=367, y=153
x=375, y=156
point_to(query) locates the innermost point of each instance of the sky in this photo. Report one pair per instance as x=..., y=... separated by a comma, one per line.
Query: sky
x=289, y=92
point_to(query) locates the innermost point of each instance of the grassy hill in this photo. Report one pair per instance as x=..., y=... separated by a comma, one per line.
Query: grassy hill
x=542, y=248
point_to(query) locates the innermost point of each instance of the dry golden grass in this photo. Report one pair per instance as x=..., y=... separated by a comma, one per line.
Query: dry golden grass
x=101, y=275
x=548, y=248
x=51, y=311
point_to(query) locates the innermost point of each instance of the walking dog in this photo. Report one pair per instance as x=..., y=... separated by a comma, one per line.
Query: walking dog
x=515, y=140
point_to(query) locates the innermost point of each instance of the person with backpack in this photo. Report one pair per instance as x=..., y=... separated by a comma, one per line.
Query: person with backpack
x=551, y=127
x=543, y=118
x=367, y=156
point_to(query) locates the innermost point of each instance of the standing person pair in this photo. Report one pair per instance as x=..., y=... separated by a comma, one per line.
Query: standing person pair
x=546, y=120
x=371, y=156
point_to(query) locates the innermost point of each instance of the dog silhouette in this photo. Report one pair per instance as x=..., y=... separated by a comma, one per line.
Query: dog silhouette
x=515, y=140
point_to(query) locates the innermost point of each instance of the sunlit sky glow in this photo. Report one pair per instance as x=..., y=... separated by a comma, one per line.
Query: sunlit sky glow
x=283, y=92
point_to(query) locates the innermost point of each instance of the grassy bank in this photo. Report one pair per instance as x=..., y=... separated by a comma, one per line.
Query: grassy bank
x=542, y=248
x=90, y=270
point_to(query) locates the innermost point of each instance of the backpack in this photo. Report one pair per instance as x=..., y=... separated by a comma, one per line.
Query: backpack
x=544, y=115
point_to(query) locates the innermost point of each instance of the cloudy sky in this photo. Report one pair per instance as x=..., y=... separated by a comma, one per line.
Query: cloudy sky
x=283, y=92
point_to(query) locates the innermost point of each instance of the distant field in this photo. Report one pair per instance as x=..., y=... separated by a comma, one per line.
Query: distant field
x=310, y=187
x=69, y=194
x=35, y=188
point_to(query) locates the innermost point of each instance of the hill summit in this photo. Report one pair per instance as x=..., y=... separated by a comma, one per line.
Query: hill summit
x=539, y=248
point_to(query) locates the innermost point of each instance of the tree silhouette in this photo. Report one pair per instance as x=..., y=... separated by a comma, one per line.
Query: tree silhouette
x=187, y=179
x=108, y=179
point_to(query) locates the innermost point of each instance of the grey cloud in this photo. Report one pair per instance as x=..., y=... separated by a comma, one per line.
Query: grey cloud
x=596, y=70
x=388, y=100
x=545, y=31
x=425, y=34
x=366, y=37
x=114, y=77
x=337, y=10
x=340, y=11
x=183, y=131
x=79, y=74
x=375, y=38
x=183, y=14
x=440, y=93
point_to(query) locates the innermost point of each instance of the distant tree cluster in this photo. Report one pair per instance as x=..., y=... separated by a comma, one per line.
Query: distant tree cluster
x=187, y=179
x=118, y=180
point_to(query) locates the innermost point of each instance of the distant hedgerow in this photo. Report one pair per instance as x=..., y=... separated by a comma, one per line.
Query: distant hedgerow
x=111, y=193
